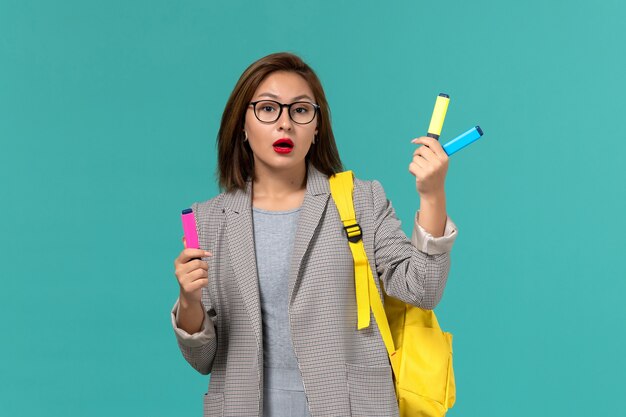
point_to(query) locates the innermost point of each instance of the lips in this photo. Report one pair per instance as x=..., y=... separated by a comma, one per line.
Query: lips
x=283, y=145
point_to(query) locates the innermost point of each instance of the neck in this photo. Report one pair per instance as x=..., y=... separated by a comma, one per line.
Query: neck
x=277, y=184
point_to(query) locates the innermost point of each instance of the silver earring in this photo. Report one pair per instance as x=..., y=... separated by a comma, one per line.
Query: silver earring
x=245, y=134
x=314, y=137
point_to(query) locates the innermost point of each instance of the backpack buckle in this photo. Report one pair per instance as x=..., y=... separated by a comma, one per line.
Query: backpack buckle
x=353, y=231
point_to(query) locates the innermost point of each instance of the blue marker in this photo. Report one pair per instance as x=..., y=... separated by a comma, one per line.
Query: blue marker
x=463, y=140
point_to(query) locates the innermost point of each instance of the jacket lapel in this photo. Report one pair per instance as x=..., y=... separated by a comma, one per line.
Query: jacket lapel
x=240, y=234
x=315, y=201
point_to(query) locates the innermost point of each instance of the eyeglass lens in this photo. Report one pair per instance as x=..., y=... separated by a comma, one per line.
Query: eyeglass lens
x=300, y=112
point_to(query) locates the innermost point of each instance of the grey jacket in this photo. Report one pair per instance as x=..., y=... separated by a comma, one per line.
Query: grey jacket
x=345, y=371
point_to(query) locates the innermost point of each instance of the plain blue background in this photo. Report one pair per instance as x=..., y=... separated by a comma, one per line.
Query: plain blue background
x=108, y=118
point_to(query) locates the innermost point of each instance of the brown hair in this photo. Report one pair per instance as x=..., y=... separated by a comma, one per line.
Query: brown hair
x=235, y=158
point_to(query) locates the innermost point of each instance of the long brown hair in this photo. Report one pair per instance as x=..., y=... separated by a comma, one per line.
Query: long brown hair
x=235, y=158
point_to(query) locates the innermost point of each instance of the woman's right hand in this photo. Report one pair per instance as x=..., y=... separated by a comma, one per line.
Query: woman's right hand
x=192, y=273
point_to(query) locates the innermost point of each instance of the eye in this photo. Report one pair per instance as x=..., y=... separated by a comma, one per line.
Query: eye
x=302, y=108
x=267, y=107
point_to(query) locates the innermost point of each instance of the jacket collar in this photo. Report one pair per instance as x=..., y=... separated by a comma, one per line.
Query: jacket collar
x=240, y=201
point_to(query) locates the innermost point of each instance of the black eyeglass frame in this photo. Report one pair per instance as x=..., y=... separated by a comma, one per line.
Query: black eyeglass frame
x=280, y=112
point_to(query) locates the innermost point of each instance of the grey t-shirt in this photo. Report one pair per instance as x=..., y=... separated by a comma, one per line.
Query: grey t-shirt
x=274, y=236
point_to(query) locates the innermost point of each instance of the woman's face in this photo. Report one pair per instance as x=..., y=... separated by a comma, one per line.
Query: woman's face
x=285, y=88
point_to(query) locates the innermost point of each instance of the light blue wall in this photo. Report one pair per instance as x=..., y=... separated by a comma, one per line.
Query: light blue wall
x=108, y=117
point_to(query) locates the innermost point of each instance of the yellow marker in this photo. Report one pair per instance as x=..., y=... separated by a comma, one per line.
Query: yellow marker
x=439, y=115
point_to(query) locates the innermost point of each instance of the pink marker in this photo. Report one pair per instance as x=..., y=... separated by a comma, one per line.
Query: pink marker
x=189, y=228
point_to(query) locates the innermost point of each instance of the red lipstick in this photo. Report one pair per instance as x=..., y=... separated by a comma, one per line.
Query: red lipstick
x=283, y=146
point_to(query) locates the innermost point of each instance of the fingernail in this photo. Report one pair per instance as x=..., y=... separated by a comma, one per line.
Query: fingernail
x=207, y=253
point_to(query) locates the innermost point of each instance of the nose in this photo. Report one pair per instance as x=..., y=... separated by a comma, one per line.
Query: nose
x=284, y=121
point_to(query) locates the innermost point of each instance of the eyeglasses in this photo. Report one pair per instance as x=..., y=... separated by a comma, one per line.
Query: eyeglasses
x=268, y=111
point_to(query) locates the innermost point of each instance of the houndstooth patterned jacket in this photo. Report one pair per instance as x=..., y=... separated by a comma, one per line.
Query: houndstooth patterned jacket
x=346, y=372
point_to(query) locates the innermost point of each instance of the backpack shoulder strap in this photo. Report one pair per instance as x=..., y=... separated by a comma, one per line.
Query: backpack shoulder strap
x=341, y=187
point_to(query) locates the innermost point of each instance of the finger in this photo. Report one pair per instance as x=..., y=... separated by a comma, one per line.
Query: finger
x=201, y=283
x=195, y=264
x=185, y=272
x=424, y=157
x=193, y=274
x=425, y=140
x=419, y=159
x=189, y=276
x=197, y=274
x=433, y=144
x=428, y=154
x=427, y=148
x=415, y=169
x=184, y=242
x=437, y=149
x=187, y=254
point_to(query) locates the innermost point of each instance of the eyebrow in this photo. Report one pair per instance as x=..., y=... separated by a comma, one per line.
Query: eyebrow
x=294, y=99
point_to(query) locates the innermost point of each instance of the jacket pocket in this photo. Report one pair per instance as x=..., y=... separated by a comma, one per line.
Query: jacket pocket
x=371, y=391
x=213, y=404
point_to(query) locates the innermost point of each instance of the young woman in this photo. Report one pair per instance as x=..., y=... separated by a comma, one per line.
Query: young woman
x=268, y=305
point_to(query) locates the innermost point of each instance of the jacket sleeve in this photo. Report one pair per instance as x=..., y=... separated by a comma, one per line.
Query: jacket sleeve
x=414, y=271
x=198, y=348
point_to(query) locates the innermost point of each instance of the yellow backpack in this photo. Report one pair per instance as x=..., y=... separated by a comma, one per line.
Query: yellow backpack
x=419, y=351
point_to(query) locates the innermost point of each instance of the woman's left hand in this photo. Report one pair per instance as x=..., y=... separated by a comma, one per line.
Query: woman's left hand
x=429, y=165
